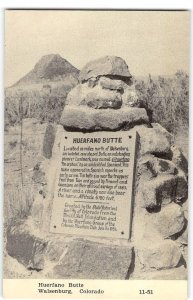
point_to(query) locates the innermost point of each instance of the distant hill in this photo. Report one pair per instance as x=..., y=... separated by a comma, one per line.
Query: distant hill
x=42, y=91
x=49, y=68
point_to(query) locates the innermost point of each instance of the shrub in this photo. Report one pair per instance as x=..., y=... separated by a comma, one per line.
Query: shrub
x=44, y=104
x=167, y=98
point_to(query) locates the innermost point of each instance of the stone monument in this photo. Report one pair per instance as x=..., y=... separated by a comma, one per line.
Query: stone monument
x=115, y=202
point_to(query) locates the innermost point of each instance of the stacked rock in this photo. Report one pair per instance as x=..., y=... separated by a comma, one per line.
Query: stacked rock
x=160, y=224
x=105, y=100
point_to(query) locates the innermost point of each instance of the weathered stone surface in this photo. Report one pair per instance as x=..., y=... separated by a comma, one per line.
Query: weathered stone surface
x=183, y=238
x=158, y=191
x=130, y=97
x=56, y=248
x=148, y=196
x=163, y=189
x=92, y=82
x=111, y=84
x=179, y=273
x=185, y=208
x=169, y=221
x=77, y=94
x=78, y=118
x=48, y=142
x=163, y=166
x=103, y=93
x=181, y=188
x=104, y=99
x=155, y=140
x=179, y=159
x=95, y=97
x=88, y=260
x=107, y=65
x=162, y=255
x=160, y=129
x=27, y=248
x=151, y=166
x=145, y=170
x=143, y=229
x=184, y=249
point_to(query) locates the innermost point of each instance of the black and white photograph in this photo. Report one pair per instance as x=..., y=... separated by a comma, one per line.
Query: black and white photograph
x=96, y=119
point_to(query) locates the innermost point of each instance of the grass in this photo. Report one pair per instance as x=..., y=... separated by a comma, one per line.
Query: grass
x=20, y=187
x=168, y=99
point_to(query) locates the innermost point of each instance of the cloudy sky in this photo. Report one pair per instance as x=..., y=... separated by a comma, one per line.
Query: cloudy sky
x=150, y=42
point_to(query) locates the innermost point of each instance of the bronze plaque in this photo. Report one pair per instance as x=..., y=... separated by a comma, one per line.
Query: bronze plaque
x=94, y=184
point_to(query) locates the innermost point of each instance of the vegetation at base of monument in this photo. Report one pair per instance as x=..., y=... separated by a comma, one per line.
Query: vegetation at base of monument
x=23, y=179
x=18, y=204
x=44, y=104
x=167, y=97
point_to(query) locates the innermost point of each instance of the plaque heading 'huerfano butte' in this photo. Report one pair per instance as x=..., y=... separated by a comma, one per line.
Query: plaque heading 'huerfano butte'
x=94, y=185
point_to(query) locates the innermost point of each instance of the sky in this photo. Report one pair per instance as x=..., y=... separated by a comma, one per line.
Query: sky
x=155, y=43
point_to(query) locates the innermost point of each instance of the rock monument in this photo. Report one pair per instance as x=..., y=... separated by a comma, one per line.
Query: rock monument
x=105, y=105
